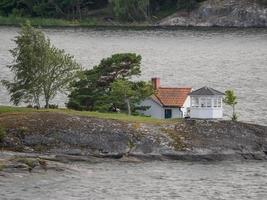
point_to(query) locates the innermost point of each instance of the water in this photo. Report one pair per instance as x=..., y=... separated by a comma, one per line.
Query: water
x=220, y=58
x=152, y=180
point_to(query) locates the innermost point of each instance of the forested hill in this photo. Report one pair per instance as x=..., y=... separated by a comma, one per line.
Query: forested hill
x=126, y=10
x=104, y=11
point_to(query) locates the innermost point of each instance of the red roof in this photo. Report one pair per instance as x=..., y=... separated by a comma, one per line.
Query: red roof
x=171, y=97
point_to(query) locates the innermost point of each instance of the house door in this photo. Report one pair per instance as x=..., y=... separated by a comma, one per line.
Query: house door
x=168, y=113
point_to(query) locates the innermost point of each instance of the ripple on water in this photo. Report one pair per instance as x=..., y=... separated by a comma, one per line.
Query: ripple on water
x=220, y=58
x=152, y=180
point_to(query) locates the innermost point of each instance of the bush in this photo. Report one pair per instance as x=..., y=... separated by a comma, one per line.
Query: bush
x=2, y=133
x=131, y=10
x=53, y=106
x=21, y=132
x=188, y=5
x=262, y=2
x=234, y=117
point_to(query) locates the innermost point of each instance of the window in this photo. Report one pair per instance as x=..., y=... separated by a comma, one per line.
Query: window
x=215, y=102
x=219, y=102
x=195, y=102
x=209, y=102
x=203, y=102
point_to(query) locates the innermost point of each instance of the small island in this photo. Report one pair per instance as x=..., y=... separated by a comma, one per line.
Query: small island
x=43, y=139
x=110, y=116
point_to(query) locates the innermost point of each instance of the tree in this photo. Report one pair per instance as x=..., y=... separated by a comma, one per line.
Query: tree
x=39, y=68
x=30, y=45
x=131, y=10
x=121, y=91
x=70, y=9
x=231, y=100
x=187, y=5
x=91, y=91
x=124, y=92
x=57, y=73
x=263, y=2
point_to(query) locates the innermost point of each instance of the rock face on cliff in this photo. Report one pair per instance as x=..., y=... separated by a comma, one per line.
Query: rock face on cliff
x=224, y=13
x=62, y=134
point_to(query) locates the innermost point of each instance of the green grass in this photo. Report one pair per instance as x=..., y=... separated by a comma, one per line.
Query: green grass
x=115, y=116
x=46, y=21
x=164, y=13
x=10, y=109
x=49, y=22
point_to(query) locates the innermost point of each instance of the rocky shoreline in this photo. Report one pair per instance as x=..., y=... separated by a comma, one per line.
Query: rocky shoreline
x=43, y=140
x=227, y=13
x=79, y=137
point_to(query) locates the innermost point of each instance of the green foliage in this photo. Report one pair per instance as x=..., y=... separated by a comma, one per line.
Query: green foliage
x=186, y=4
x=2, y=133
x=177, y=141
x=234, y=117
x=262, y=2
x=128, y=94
x=13, y=20
x=31, y=163
x=231, y=100
x=22, y=132
x=39, y=68
x=131, y=10
x=131, y=145
x=68, y=9
x=91, y=92
x=84, y=10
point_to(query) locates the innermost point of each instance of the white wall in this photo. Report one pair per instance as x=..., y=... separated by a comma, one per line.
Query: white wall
x=157, y=111
x=176, y=112
x=208, y=107
x=206, y=113
x=186, y=106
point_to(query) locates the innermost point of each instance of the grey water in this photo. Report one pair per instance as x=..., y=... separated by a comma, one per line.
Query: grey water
x=220, y=58
x=151, y=180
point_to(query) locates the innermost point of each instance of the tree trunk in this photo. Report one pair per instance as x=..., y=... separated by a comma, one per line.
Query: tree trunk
x=233, y=110
x=128, y=106
x=233, y=117
x=47, y=102
x=78, y=9
x=36, y=100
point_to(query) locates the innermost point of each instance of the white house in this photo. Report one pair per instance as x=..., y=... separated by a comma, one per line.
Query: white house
x=167, y=102
x=206, y=103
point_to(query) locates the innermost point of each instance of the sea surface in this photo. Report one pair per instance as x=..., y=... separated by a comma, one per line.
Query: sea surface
x=220, y=58
x=145, y=181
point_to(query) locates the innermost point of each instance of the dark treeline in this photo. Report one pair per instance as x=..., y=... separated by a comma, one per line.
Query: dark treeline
x=127, y=10
x=67, y=9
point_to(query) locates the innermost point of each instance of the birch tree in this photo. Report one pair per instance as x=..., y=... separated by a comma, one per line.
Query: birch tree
x=40, y=69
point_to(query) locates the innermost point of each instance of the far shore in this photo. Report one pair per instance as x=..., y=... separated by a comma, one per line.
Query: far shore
x=99, y=23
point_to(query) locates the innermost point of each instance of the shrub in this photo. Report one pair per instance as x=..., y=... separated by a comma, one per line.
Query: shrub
x=234, y=117
x=188, y=5
x=21, y=132
x=2, y=133
x=262, y=2
x=53, y=106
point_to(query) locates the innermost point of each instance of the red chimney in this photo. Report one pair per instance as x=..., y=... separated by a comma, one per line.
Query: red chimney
x=155, y=83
